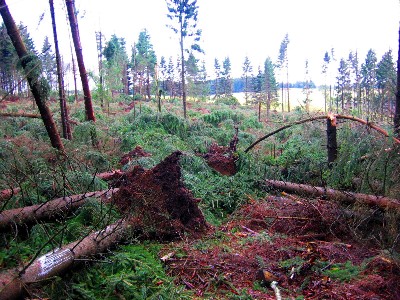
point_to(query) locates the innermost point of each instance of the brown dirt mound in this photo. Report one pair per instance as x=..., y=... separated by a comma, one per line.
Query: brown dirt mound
x=223, y=159
x=158, y=203
x=135, y=153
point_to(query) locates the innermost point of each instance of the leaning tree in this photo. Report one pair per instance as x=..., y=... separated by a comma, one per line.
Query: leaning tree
x=31, y=65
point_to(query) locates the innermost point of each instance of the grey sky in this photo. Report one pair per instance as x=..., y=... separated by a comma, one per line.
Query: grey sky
x=232, y=28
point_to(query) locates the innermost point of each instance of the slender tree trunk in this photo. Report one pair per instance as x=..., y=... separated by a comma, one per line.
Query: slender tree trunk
x=75, y=80
x=331, y=140
x=61, y=92
x=183, y=76
x=79, y=56
x=287, y=87
x=396, y=118
x=34, y=81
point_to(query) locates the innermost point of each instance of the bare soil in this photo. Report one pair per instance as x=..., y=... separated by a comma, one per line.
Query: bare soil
x=157, y=202
x=299, y=243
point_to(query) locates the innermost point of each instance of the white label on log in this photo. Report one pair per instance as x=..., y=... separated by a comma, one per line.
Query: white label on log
x=50, y=261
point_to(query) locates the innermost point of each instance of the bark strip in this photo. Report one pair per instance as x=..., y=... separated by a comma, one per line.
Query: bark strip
x=48, y=210
x=13, y=283
x=331, y=194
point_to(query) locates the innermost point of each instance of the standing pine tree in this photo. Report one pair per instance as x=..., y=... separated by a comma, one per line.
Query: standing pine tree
x=270, y=85
x=325, y=65
x=368, y=82
x=307, y=88
x=247, y=74
x=184, y=13
x=218, y=79
x=355, y=75
x=146, y=60
x=49, y=62
x=343, y=85
x=227, y=78
x=386, y=83
x=283, y=62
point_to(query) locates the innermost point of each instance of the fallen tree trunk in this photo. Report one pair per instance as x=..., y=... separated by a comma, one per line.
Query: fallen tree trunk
x=331, y=194
x=8, y=193
x=156, y=204
x=48, y=210
x=14, y=283
x=20, y=115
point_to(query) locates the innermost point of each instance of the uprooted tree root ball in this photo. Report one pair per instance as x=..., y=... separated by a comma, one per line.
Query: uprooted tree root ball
x=157, y=202
x=223, y=159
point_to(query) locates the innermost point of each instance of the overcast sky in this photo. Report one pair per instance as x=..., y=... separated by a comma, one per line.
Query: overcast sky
x=233, y=28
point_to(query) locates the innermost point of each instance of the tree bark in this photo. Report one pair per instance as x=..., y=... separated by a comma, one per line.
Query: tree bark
x=183, y=76
x=34, y=81
x=331, y=194
x=79, y=57
x=331, y=140
x=61, y=92
x=20, y=115
x=13, y=283
x=396, y=119
x=49, y=210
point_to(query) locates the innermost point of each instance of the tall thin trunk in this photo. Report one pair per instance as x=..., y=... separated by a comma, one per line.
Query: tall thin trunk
x=331, y=141
x=183, y=76
x=287, y=87
x=396, y=119
x=79, y=57
x=61, y=92
x=75, y=81
x=34, y=82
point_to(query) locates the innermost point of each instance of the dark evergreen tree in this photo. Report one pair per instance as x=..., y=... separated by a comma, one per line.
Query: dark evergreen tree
x=355, y=75
x=227, y=77
x=218, y=79
x=386, y=84
x=48, y=58
x=270, y=85
x=247, y=75
x=368, y=81
x=325, y=65
x=116, y=65
x=343, y=86
x=146, y=61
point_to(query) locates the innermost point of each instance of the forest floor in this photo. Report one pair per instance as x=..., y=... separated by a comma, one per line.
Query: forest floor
x=303, y=245
x=306, y=246
x=273, y=246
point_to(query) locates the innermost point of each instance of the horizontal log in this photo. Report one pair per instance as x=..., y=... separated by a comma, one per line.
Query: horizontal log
x=14, y=282
x=20, y=115
x=48, y=210
x=331, y=194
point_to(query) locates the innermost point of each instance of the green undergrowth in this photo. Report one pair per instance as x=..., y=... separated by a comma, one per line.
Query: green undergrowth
x=129, y=272
x=133, y=271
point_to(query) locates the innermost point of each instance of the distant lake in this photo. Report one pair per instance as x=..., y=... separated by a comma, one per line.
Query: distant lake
x=297, y=98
